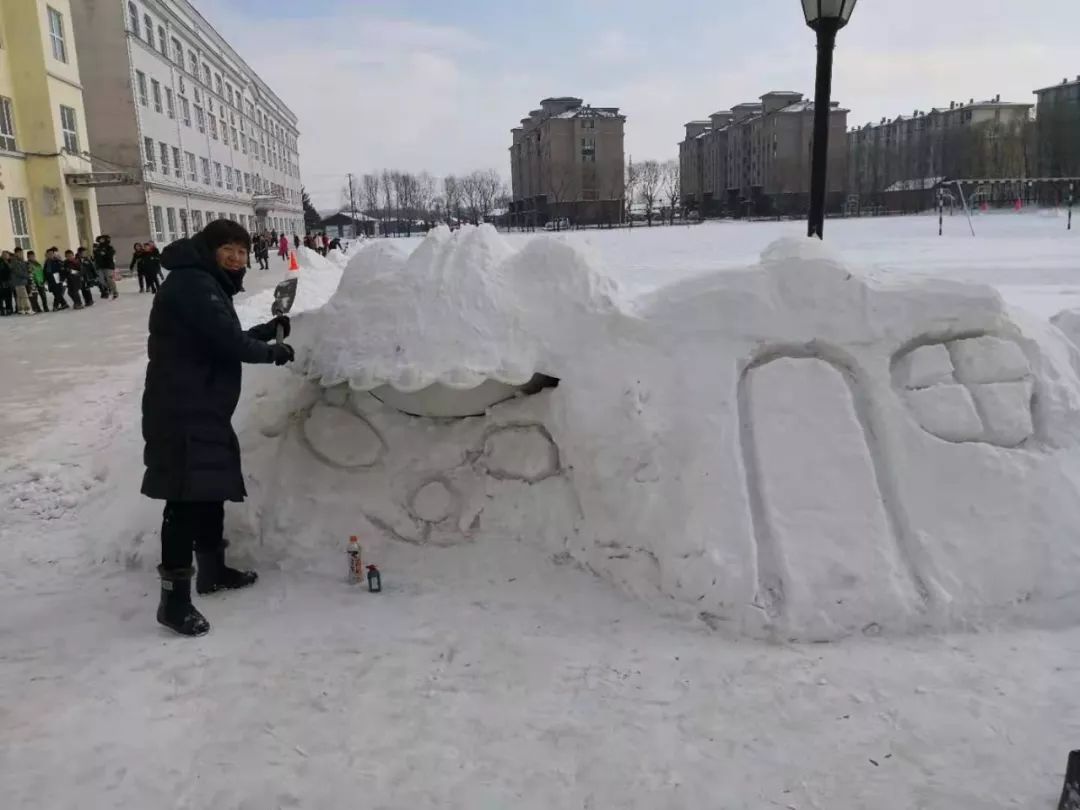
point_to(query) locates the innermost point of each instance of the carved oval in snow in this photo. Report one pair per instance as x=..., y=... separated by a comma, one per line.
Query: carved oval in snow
x=433, y=502
x=521, y=452
x=342, y=439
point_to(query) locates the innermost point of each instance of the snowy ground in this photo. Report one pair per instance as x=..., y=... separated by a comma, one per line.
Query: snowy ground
x=485, y=676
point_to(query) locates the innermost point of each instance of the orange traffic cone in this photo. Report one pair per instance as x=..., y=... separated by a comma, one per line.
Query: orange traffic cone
x=293, y=266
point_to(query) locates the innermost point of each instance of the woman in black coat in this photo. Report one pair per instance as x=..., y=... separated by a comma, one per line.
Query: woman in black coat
x=192, y=455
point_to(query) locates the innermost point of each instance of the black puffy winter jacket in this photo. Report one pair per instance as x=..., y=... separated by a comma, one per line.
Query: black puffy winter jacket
x=196, y=348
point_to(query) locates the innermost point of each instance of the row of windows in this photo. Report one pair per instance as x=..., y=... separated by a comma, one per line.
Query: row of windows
x=166, y=160
x=166, y=102
x=174, y=51
x=69, y=126
x=176, y=222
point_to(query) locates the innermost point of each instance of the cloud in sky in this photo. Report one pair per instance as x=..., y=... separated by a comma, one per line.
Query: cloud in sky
x=418, y=84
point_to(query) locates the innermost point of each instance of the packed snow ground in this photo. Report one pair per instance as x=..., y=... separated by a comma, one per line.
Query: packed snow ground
x=490, y=675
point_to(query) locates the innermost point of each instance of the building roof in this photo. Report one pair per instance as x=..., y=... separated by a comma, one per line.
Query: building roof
x=781, y=93
x=1064, y=83
x=920, y=184
x=326, y=216
x=591, y=112
x=808, y=106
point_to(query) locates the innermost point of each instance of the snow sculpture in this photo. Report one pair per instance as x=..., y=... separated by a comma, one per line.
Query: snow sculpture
x=795, y=450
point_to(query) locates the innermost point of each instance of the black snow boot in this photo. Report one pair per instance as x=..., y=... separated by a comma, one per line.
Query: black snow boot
x=175, y=610
x=215, y=575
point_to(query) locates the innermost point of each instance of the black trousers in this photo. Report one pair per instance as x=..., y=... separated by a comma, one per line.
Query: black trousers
x=187, y=525
x=7, y=297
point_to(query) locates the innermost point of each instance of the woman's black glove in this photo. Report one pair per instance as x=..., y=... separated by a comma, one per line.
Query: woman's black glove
x=268, y=331
x=282, y=353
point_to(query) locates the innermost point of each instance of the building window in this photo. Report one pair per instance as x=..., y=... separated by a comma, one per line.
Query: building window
x=206, y=76
x=200, y=119
x=7, y=125
x=235, y=139
x=164, y=147
x=196, y=220
x=183, y=223
x=192, y=172
x=170, y=106
x=178, y=52
x=163, y=44
x=217, y=174
x=177, y=169
x=170, y=214
x=133, y=18
x=213, y=127
x=155, y=90
x=159, y=225
x=185, y=111
x=56, y=34
x=193, y=61
x=228, y=178
x=140, y=83
x=148, y=148
x=20, y=222
x=217, y=83
x=247, y=182
x=69, y=126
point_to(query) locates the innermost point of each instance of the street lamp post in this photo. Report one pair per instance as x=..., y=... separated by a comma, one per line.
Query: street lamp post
x=826, y=17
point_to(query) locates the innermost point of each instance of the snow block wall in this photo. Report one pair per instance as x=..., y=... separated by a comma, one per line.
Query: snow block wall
x=794, y=450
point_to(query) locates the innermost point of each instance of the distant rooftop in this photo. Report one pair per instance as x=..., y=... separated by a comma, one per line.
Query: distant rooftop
x=1064, y=83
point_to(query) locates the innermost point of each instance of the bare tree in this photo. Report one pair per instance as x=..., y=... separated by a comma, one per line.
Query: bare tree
x=650, y=177
x=424, y=195
x=471, y=195
x=452, y=195
x=369, y=187
x=560, y=186
x=630, y=189
x=388, y=196
x=489, y=187
x=671, y=186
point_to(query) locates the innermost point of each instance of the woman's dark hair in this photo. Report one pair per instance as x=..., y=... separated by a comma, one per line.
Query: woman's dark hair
x=225, y=232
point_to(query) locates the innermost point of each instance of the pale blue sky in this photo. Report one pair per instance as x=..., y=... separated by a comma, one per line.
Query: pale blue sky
x=416, y=84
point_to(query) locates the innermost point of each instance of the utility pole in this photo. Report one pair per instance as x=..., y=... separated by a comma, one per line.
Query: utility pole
x=352, y=205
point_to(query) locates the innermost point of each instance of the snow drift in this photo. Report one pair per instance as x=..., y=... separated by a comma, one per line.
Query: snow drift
x=794, y=450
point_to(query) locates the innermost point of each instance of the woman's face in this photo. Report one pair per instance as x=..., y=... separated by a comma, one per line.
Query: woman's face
x=231, y=257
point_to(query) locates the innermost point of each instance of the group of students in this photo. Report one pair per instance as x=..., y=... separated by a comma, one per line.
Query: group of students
x=26, y=283
x=146, y=264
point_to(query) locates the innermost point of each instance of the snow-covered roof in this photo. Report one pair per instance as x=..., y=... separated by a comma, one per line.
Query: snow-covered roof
x=1065, y=83
x=920, y=184
x=590, y=112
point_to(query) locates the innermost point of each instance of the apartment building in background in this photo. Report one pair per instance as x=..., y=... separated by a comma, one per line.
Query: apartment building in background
x=755, y=158
x=1058, y=116
x=172, y=104
x=977, y=139
x=45, y=189
x=566, y=160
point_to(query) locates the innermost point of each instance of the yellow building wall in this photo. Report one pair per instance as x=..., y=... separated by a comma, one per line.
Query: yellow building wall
x=38, y=84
